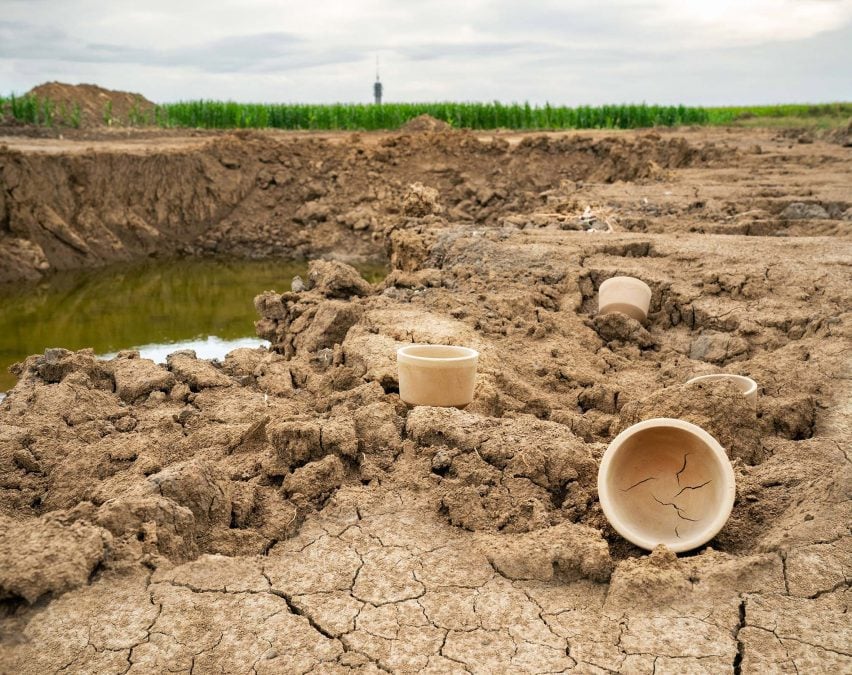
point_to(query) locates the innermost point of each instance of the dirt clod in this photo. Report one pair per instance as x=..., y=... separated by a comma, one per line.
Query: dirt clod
x=39, y=556
x=718, y=407
x=424, y=123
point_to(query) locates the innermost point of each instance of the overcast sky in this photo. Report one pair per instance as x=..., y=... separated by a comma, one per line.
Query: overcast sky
x=709, y=52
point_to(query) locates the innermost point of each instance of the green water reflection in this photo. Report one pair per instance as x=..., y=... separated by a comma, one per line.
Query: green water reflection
x=151, y=303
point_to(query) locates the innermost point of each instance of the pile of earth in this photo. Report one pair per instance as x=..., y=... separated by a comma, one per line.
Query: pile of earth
x=98, y=106
x=424, y=123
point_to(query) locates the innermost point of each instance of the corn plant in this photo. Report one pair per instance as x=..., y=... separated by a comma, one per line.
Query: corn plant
x=135, y=118
x=74, y=119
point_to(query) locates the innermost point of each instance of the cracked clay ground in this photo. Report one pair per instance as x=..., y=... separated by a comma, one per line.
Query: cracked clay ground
x=283, y=512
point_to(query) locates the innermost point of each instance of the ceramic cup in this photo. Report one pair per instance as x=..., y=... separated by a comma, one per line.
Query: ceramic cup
x=745, y=384
x=627, y=295
x=666, y=481
x=437, y=375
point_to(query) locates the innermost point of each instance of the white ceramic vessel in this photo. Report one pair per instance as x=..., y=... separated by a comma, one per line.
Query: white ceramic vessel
x=745, y=384
x=437, y=375
x=627, y=295
x=666, y=481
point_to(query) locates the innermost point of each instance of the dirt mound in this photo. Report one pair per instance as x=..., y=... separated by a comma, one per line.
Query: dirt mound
x=424, y=123
x=98, y=106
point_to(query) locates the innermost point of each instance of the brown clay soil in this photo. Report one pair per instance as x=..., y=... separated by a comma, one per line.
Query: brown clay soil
x=284, y=512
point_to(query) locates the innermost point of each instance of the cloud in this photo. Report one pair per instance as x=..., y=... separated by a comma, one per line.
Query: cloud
x=734, y=22
x=439, y=50
x=585, y=51
x=261, y=52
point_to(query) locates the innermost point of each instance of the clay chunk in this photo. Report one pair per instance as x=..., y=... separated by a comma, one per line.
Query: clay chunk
x=135, y=378
x=198, y=374
x=335, y=279
x=41, y=556
x=316, y=478
x=566, y=551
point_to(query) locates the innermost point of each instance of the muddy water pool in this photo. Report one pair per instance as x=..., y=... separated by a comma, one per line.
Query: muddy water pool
x=155, y=306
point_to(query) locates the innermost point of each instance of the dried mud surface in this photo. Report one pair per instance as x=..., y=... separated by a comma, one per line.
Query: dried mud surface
x=283, y=512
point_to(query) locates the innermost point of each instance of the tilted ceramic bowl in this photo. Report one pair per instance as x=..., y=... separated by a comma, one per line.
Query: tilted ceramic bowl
x=627, y=295
x=666, y=481
x=745, y=384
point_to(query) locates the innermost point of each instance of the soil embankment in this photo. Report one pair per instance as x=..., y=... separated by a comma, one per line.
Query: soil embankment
x=256, y=195
x=72, y=204
x=282, y=511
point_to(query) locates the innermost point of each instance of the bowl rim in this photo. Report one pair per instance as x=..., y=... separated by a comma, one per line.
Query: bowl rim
x=743, y=379
x=726, y=502
x=465, y=354
x=634, y=281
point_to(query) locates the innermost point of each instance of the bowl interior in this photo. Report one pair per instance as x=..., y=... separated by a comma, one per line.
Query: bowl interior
x=666, y=486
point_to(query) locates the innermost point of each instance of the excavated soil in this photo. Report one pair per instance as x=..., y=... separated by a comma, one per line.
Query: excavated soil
x=283, y=512
x=97, y=106
x=67, y=204
x=423, y=123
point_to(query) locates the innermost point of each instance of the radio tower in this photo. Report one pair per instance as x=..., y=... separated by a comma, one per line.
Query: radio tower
x=377, y=86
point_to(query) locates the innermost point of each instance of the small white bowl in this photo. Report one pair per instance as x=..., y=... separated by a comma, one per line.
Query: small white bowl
x=745, y=384
x=437, y=375
x=627, y=295
x=666, y=481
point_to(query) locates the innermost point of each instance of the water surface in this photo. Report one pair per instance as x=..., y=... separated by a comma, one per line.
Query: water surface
x=158, y=306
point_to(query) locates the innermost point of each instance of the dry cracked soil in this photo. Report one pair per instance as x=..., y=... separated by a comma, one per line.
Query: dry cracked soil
x=282, y=511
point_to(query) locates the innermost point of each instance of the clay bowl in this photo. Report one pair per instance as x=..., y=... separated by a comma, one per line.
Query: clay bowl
x=627, y=295
x=745, y=384
x=666, y=481
x=436, y=375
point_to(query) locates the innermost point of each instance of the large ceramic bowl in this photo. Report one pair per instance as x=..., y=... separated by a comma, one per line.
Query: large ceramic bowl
x=666, y=481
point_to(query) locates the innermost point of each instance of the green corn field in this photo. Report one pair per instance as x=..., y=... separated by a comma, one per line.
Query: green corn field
x=368, y=117
x=39, y=111
x=218, y=115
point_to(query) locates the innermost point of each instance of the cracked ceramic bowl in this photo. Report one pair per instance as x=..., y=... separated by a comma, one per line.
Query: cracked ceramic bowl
x=437, y=375
x=666, y=481
x=627, y=295
x=745, y=384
